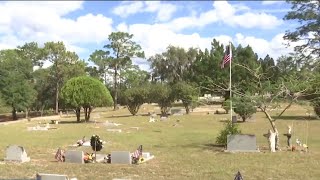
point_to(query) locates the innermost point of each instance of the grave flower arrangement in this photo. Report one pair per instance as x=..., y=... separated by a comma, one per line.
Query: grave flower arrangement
x=96, y=143
x=88, y=157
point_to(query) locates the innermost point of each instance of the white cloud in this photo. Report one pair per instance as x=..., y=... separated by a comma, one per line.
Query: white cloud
x=275, y=47
x=164, y=11
x=122, y=27
x=128, y=8
x=271, y=2
x=228, y=14
x=45, y=21
x=156, y=38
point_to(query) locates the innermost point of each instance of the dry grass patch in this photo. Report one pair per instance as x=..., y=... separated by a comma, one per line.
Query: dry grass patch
x=181, y=152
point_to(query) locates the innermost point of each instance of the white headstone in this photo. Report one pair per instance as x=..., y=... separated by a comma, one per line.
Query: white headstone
x=74, y=157
x=152, y=119
x=43, y=176
x=121, y=157
x=16, y=153
x=114, y=130
x=146, y=155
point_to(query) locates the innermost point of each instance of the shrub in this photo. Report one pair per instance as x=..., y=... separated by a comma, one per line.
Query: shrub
x=229, y=128
x=135, y=97
x=163, y=95
x=226, y=105
x=316, y=106
x=244, y=107
x=85, y=92
x=186, y=93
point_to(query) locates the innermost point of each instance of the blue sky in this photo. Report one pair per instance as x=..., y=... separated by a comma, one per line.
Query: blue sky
x=85, y=25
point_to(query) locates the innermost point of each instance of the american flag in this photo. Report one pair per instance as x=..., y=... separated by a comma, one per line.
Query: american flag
x=138, y=152
x=227, y=56
x=60, y=155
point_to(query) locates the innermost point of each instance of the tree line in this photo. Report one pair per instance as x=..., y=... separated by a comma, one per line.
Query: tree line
x=26, y=85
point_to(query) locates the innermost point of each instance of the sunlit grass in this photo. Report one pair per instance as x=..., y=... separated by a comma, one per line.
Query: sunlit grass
x=181, y=152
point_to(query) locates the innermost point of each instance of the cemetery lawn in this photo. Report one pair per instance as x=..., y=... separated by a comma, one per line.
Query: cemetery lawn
x=186, y=151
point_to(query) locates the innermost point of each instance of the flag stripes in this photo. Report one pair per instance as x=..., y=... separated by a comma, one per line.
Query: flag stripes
x=138, y=152
x=227, y=56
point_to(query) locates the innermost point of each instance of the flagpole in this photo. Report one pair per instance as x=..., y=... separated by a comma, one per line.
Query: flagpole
x=230, y=52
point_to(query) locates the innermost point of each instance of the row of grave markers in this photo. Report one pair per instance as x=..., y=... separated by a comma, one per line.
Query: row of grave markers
x=18, y=154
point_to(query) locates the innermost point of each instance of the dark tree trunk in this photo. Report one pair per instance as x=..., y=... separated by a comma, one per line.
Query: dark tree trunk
x=57, y=98
x=243, y=118
x=41, y=111
x=27, y=113
x=78, y=114
x=187, y=108
x=14, y=113
x=115, y=98
x=87, y=112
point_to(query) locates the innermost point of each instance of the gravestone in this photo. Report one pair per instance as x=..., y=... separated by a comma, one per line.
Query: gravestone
x=234, y=119
x=152, y=119
x=74, y=157
x=242, y=143
x=178, y=111
x=16, y=153
x=43, y=176
x=146, y=155
x=114, y=130
x=121, y=157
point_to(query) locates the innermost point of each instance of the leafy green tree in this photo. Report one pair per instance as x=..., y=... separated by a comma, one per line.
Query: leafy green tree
x=163, y=95
x=135, y=97
x=32, y=52
x=16, y=86
x=44, y=85
x=269, y=69
x=85, y=92
x=123, y=48
x=102, y=59
x=241, y=78
x=94, y=72
x=158, y=66
x=173, y=65
x=63, y=61
x=186, y=93
x=133, y=76
x=244, y=107
x=316, y=106
x=307, y=14
x=226, y=105
x=207, y=72
x=229, y=129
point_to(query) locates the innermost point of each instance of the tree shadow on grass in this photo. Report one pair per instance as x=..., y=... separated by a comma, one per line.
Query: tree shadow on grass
x=206, y=146
x=302, y=118
x=119, y=116
x=71, y=122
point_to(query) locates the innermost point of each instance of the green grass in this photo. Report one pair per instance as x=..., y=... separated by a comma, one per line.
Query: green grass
x=182, y=152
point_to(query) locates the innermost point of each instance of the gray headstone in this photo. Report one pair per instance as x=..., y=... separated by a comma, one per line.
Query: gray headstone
x=234, y=119
x=242, y=143
x=121, y=157
x=16, y=153
x=74, y=157
x=43, y=176
x=178, y=111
